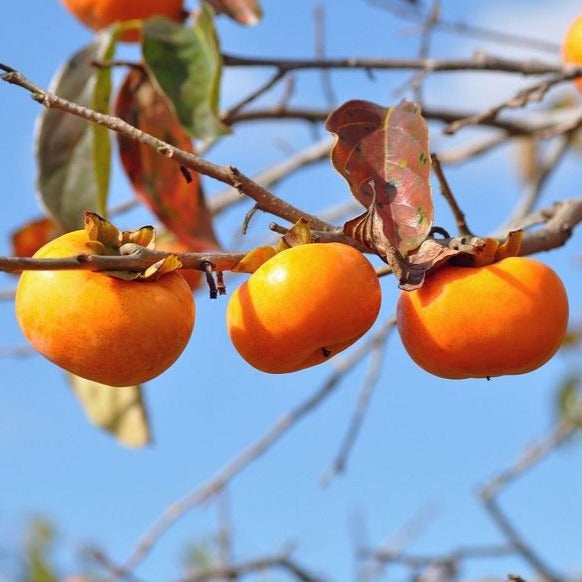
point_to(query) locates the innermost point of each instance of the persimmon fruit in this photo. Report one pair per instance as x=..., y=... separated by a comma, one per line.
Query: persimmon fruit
x=572, y=47
x=102, y=328
x=99, y=14
x=303, y=306
x=509, y=317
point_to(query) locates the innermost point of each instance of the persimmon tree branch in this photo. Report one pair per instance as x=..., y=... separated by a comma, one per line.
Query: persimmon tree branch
x=491, y=490
x=224, y=476
x=480, y=62
x=230, y=175
x=281, y=561
x=373, y=375
x=558, y=223
x=525, y=96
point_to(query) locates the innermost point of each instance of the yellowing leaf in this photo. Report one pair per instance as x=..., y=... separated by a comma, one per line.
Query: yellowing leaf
x=119, y=411
x=73, y=156
x=254, y=259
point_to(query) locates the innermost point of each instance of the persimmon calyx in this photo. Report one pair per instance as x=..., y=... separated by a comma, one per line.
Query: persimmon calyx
x=298, y=234
x=106, y=239
x=462, y=251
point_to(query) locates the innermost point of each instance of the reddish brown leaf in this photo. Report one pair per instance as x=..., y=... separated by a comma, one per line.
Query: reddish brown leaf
x=243, y=11
x=176, y=198
x=383, y=154
x=33, y=235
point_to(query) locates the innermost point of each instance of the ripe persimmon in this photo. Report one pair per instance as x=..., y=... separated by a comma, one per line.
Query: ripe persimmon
x=508, y=317
x=102, y=328
x=98, y=14
x=572, y=47
x=303, y=306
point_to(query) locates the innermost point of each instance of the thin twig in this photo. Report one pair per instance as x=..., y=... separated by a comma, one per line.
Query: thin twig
x=241, y=461
x=230, y=113
x=489, y=492
x=25, y=351
x=450, y=198
x=273, y=175
x=471, y=30
x=480, y=62
x=281, y=561
x=370, y=381
x=326, y=84
x=525, y=96
x=312, y=115
x=535, y=187
x=471, y=151
x=457, y=555
x=7, y=294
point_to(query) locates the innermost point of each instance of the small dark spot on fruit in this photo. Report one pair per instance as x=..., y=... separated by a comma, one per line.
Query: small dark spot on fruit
x=326, y=353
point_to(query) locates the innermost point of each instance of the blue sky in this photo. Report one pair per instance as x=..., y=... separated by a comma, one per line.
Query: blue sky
x=426, y=442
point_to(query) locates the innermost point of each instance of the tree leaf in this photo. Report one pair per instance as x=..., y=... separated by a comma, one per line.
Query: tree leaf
x=73, y=155
x=119, y=411
x=158, y=181
x=247, y=12
x=383, y=155
x=101, y=140
x=28, y=238
x=187, y=66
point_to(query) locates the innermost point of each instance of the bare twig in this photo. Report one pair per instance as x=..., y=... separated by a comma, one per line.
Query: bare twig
x=269, y=177
x=269, y=84
x=450, y=198
x=521, y=99
x=17, y=351
x=471, y=151
x=489, y=492
x=480, y=62
x=457, y=555
x=281, y=561
x=377, y=357
x=471, y=30
x=311, y=115
x=7, y=294
x=326, y=84
x=241, y=461
x=535, y=187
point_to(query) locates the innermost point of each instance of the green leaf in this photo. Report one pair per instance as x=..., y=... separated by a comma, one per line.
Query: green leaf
x=101, y=141
x=73, y=157
x=187, y=65
x=119, y=411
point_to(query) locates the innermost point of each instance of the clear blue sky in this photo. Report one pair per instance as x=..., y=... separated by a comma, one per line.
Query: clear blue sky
x=426, y=442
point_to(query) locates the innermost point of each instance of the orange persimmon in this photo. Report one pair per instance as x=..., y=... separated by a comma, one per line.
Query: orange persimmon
x=98, y=14
x=99, y=327
x=508, y=317
x=572, y=47
x=303, y=306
